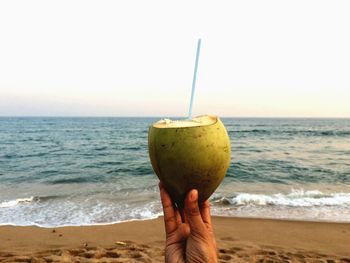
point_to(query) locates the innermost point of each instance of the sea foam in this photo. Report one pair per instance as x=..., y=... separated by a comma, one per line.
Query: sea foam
x=19, y=201
x=297, y=198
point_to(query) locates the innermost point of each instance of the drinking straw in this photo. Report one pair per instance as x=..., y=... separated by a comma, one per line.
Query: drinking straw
x=194, y=78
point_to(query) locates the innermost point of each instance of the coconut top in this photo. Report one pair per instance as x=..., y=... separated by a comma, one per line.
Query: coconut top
x=195, y=122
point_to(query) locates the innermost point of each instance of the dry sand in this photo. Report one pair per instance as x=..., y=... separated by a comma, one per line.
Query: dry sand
x=239, y=240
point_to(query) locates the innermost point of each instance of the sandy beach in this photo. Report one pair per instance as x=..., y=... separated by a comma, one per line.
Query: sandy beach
x=239, y=240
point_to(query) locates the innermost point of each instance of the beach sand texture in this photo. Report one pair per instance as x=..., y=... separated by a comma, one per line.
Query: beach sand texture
x=239, y=240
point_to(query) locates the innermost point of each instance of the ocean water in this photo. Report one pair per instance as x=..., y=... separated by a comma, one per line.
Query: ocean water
x=83, y=171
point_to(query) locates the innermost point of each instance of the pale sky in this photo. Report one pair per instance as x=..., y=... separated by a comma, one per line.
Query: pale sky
x=136, y=58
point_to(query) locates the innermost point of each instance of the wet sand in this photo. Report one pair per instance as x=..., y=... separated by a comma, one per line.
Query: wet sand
x=239, y=240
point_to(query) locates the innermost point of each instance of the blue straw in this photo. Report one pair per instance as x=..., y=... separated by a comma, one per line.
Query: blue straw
x=194, y=78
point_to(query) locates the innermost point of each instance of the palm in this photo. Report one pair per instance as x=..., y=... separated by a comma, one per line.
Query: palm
x=196, y=250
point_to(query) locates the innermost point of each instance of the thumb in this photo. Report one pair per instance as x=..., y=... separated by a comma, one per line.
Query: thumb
x=193, y=214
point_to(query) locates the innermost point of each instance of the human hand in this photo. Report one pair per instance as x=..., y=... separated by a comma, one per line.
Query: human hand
x=192, y=240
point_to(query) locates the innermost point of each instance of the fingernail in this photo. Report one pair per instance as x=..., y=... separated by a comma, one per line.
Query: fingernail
x=194, y=195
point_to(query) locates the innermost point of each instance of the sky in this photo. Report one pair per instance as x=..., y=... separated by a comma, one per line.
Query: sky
x=136, y=58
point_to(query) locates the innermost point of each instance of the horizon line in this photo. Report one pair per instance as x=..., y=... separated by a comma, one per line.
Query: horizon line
x=155, y=116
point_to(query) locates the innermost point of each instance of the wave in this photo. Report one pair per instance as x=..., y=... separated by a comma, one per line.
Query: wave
x=253, y=131
x=131, y=148
x=144, y=169
x=297, y=198
x=77, y=213
x=323, y=133
x=28, y=200
x=73, y=180
x=19, y=201
x=326, y=133
x=297, y=204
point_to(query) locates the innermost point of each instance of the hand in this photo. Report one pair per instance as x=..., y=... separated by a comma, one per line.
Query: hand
x=192, y=240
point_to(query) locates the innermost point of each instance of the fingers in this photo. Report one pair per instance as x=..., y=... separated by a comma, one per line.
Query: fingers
x=178, y=217
x=197, y=217
x=193, y=214
x=170, y=217
x=205, y=212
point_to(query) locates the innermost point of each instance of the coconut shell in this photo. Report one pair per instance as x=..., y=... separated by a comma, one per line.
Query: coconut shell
x=186, y=158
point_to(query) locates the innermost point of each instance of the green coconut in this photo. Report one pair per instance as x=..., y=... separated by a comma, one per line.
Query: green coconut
x=189, y=154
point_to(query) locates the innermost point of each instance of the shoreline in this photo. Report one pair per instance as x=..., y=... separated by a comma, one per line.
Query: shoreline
x=239, y=240
x=161, y=216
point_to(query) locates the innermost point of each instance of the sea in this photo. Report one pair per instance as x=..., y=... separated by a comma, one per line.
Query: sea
x=88, y=171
